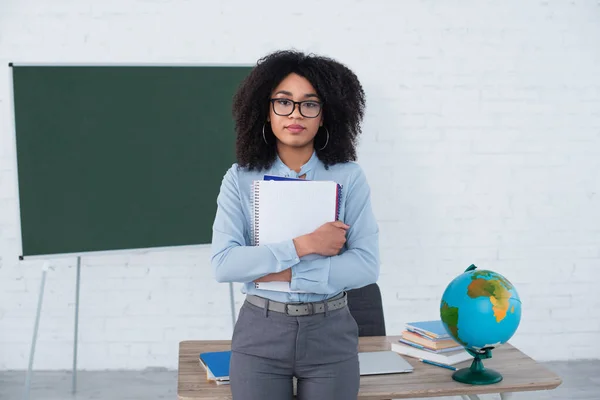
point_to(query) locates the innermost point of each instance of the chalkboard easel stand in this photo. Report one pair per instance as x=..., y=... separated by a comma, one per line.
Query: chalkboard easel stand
x=46, y=266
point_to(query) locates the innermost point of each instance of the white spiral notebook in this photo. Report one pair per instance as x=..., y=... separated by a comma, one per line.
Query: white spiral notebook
x=285, y=209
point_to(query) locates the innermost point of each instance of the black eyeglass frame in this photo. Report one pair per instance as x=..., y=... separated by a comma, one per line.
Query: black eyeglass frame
x=320, y=103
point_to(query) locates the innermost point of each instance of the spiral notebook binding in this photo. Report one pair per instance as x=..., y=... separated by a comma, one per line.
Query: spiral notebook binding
x=338, y=201
x=255, y=200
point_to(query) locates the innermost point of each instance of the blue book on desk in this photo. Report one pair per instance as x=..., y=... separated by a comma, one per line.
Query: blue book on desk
x=216, y=364
x=433, y=329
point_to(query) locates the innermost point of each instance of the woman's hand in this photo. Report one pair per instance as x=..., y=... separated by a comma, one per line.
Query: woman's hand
x=327, y=240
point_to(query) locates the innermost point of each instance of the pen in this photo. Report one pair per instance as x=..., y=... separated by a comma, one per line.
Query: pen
x=438, y=364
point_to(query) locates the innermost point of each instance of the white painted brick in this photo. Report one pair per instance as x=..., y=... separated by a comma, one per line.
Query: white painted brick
x=529, y=326
x=129, y=334
x=581, y=312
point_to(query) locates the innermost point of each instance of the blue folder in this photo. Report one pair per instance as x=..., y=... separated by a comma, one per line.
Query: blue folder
x=433, y=328
x=281, y=178
x=217, y=362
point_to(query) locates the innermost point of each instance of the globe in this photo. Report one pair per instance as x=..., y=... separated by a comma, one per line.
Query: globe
x=481, y=310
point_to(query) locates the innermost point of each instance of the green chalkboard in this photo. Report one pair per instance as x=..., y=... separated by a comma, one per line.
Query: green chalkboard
x=121, y=157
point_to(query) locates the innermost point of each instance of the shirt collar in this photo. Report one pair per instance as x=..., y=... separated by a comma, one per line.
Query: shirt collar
x=290, y=173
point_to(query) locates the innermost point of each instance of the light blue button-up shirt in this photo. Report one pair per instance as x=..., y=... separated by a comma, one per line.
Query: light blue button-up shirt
x=234, y=259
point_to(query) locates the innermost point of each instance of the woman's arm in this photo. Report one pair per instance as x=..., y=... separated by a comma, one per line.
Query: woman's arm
x=358, y=266
x=232, y=260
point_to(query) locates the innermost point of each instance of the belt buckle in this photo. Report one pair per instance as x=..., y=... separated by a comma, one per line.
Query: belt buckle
x=309, y=306
x=287, y=308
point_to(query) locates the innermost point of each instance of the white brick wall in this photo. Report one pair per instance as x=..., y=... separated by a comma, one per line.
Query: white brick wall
x=481, y=144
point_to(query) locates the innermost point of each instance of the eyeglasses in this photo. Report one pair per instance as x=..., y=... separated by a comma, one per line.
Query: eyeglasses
x=285, y=107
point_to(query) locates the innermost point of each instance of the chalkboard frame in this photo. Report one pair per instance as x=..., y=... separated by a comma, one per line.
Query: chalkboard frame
x=24, y=254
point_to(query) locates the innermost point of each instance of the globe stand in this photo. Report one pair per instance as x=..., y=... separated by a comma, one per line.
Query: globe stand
x=477, y=374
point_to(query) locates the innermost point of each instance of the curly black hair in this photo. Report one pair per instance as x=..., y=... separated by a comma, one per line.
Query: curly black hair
x=337, y=86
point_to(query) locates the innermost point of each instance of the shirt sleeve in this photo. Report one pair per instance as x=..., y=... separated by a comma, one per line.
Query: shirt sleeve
x=232, y=259
x=358, y=265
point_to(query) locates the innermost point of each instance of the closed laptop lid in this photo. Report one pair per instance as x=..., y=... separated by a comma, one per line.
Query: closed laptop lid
x=382, y=362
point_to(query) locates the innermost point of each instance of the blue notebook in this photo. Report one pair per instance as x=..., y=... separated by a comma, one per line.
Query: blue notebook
x=434, y=329
x=280, y=178
x=216, y=364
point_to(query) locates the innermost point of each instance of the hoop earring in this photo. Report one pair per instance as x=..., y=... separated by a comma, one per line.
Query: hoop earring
x=263, y=132
x=326, y=141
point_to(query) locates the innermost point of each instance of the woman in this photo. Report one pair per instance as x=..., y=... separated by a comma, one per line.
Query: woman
x=296, y=116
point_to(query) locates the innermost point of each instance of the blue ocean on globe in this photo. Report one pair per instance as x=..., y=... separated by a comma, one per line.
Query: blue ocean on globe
x=480, y=309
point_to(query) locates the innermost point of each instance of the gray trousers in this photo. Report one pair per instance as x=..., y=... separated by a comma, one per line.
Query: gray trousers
x=270, y=348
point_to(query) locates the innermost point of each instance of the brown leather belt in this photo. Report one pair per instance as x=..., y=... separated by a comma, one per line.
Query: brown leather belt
x=300, y=309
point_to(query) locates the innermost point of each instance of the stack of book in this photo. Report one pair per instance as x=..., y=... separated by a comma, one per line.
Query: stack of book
x=429, y=341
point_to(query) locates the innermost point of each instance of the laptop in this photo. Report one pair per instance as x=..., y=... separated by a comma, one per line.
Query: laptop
x=382, y=362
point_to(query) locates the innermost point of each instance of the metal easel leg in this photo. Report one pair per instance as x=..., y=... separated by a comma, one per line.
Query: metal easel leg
x=35, y=332
x=74, y=382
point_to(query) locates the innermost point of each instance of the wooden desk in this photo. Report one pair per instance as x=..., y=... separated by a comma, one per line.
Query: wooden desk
x=521, y=373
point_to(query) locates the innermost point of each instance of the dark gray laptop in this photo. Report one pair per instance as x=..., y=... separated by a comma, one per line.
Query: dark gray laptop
x=382, y=362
